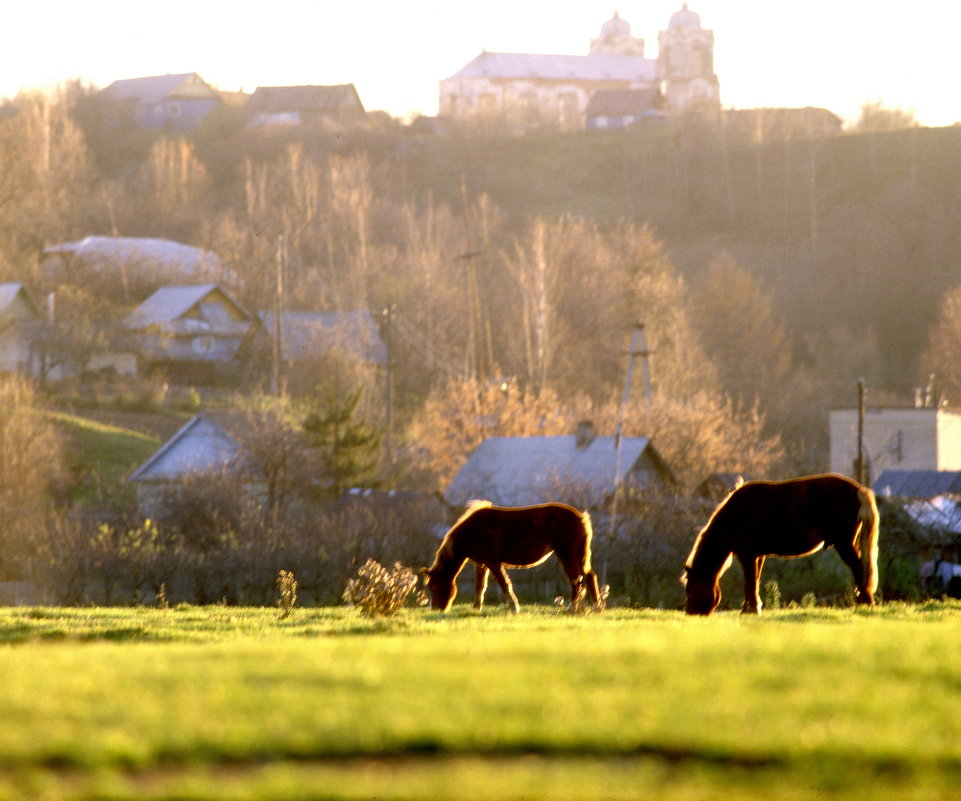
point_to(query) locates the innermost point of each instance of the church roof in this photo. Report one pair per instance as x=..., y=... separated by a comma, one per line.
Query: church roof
x=593, y=67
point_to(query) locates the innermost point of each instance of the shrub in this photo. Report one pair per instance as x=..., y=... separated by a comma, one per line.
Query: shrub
x=287, y=587
x=378, y=591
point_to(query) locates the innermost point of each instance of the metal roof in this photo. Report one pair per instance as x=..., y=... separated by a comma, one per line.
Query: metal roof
x=202, y=445
x=918, y=483
x=170, y=303
x=157, y=87
x=525, y=470
x=593, y=67
x=274, y=99
x=142, y=254
x=620, y=102
x=305, y=334
x=10, y=290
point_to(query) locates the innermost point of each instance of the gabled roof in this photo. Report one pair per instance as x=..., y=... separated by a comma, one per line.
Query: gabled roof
x=170, y=303
x=593, y=67
x=160, y=87
x=305, y=334
x=621, y=102
x=278, y=99
x=174, y=259
x=204, y=444
x=11, y=291
x=918, y=483
x=518, y=471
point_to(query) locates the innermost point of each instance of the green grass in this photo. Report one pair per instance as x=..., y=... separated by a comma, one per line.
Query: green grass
x=220, y=702
x=104, y=455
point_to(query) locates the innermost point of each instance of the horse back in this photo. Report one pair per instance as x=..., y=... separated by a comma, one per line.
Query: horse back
x=801, y=512
x=525, y=535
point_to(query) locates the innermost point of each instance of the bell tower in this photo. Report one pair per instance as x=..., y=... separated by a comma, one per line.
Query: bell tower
x=685, y=64
x=616, y=39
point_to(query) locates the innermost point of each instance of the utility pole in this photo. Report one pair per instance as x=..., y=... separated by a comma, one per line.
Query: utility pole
x=277, y=383
x=860, y=462
x=638, y=349
x=388, y=313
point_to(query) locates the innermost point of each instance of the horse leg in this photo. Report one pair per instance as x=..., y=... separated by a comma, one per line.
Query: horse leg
x=751, y=568
x=480, y=584
x=500, y=576
x=852, y=559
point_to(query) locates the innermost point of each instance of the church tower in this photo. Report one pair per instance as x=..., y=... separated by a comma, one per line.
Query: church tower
x=685, y=64
x=616, y=39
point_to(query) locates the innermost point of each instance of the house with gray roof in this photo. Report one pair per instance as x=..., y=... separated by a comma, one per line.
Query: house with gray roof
x=618, y=108
x=194, y=334
x=918, y=484
x=578, y=469
x=208, y=444
x=173, y=102
x=23, y=330
x=131, y=263
x=307, y=335
x=304, y=105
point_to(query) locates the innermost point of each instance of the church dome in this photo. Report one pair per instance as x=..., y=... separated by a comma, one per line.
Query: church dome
x=685, y=18
x=615, y=27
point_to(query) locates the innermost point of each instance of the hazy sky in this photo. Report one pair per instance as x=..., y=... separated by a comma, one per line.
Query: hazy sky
x=837, y=54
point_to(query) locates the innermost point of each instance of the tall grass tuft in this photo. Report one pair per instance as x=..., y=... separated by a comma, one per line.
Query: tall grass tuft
x=379, y=591
x=287, y=586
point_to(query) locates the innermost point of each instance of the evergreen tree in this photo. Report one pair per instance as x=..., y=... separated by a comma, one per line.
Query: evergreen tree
x=348, y=448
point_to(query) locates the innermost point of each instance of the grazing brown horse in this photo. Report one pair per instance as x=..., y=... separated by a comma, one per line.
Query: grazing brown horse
x=495, y=537
x=783, y=518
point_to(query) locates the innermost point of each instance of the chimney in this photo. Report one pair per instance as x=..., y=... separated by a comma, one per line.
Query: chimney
x=584, y=435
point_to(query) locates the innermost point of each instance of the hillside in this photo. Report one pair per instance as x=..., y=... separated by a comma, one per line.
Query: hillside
x=846, y=231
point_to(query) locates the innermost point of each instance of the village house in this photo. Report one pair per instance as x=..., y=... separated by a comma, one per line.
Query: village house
x=131, y=265
x=172, y=102
x=23, y=331
x=208, y=444
x=196, y=334
x=304, y=105
x=908, y=438
x=580, y=469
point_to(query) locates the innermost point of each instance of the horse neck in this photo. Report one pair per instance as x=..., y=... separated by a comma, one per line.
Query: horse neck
x=449, y=560
x=708, y=556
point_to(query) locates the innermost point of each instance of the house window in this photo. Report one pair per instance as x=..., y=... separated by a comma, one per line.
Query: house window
x=173, y=110
x=203, y=345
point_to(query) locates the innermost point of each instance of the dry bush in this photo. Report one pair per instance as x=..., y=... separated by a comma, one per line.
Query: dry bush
x=379, y=591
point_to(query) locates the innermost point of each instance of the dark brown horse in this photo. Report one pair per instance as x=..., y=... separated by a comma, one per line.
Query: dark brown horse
x=784, y=518
x=495, y=537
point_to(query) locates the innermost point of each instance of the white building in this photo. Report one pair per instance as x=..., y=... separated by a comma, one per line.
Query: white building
x=896, y=439
x=532, y=89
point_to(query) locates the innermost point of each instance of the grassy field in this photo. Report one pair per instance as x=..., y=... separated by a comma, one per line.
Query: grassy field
x=237, y=703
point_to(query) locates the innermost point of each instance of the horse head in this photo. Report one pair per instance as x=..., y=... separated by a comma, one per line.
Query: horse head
x=703, y=594
x=442, y=590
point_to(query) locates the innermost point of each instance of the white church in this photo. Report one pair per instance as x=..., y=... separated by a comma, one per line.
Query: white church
x=614, y=84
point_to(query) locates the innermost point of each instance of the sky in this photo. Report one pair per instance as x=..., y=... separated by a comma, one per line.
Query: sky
x=837, y=54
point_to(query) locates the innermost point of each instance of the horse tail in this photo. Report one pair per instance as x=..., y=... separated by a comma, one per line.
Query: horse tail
x=588, y=536
x=868, y=538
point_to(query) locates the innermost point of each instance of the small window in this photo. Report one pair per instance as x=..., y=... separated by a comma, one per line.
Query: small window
x=203, y=345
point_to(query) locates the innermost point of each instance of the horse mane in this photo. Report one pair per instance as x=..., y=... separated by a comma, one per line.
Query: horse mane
x=689, y=563
x=472, y=506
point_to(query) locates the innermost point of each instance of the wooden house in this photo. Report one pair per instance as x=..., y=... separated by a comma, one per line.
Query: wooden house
x=618, y=108
x=23, y=330
x=172, y=102
x=208, y=444
x=197, y=334
x=307, y=336
x=579, y=469
x=304, y=105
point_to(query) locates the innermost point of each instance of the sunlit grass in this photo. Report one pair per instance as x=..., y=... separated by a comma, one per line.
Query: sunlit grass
x=538, y=703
